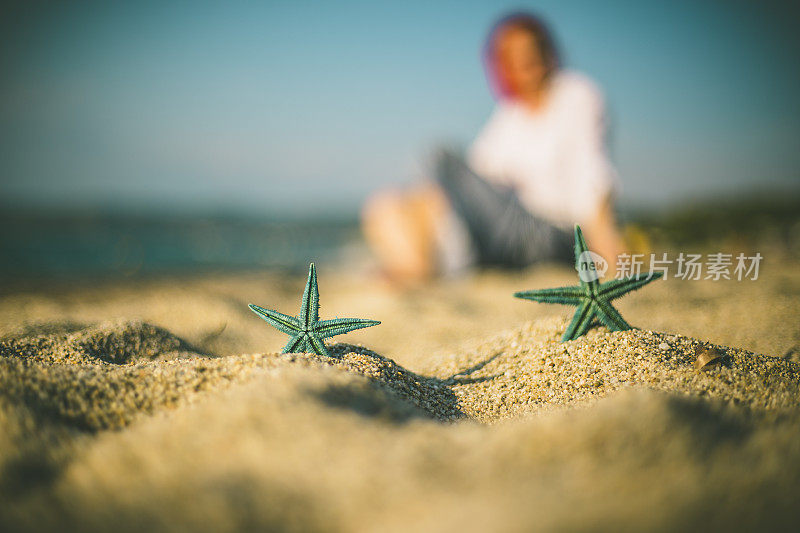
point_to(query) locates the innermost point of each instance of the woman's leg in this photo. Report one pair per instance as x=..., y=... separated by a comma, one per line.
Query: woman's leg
x=504, y=232
x=400, y=226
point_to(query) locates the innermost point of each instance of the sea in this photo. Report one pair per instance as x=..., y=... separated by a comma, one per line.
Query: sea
x=50, y=245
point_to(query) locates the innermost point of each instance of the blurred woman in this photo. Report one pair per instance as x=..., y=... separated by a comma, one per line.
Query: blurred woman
x=538, y=167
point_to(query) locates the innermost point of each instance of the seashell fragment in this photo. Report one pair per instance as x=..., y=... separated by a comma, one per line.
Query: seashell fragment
x=707, y=357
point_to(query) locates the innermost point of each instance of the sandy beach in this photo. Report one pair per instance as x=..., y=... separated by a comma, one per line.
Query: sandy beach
x=424, y=195
x=163, y=404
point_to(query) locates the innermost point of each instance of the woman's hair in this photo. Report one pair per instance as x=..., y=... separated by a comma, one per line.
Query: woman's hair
x=528, y=23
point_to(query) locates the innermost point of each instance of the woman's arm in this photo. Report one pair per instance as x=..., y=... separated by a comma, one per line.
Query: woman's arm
x=603, y=236
x=594, y=174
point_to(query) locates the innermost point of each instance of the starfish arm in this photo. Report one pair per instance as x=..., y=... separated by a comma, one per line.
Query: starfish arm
x=610, y=317
x=297, y=344
x=317, y=346
x=580, y=248
x=581, y=321
x=338, y=326
x=285, y=323
x=309, y=310
x=580, y=243
x=613, y=289
x=561, y=295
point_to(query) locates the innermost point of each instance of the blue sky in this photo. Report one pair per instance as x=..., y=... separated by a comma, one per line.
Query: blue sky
x=262, y=106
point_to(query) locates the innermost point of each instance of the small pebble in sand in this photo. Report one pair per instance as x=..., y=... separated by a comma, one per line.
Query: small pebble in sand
x=664, y=346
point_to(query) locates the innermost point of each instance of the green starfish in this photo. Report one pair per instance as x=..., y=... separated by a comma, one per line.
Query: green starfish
x=592, y=298
x=307, y=330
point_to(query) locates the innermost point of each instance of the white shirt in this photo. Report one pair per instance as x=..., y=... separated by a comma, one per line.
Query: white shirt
x=555, y=158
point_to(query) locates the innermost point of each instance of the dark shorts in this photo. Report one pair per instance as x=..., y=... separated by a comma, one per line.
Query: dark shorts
x=503, y=232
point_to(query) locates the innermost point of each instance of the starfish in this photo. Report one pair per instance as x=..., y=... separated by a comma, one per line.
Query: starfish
x=306, y=330
x=592, y=298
